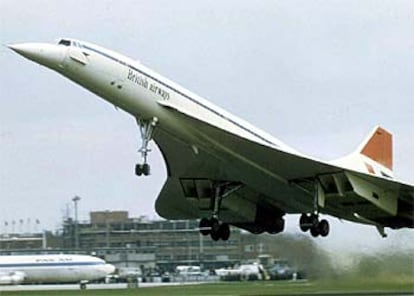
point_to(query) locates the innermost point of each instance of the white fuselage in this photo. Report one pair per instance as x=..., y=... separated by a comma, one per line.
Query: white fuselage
x=142, y=92
x=145, y=94
x=52, y=268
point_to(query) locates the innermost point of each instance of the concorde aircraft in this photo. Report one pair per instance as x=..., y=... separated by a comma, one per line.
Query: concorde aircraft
x=224, y=170
x=60, y=268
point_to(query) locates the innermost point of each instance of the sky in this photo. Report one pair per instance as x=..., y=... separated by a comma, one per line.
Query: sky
x=318, y=75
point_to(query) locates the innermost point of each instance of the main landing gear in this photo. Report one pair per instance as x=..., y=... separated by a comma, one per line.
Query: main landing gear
x=213, y=227
x=146, y=128
x=82, y=284
x=311, y=221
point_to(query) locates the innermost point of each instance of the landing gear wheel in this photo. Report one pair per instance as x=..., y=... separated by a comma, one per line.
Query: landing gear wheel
x=142, y=169
x=224, y=231
x=217, y=230
x=215, y=225
x=138, y=169
x=312, y=223
x=215, y=235
x=323, y=227
x=314, y=230
x=305, y=222
x=314, y=220
x=146, y=169
x=205, y=226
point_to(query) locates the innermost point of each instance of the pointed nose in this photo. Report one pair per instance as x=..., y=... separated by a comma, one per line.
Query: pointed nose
x=19, y=48
x=48, y=55
x=109, y=268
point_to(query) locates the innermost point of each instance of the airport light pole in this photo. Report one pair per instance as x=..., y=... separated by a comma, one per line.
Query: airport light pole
x=76, y=199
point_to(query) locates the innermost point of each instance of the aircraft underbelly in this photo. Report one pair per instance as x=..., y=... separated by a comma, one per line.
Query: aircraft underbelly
x=50, y=275
x=188, y=191
x=213, y=155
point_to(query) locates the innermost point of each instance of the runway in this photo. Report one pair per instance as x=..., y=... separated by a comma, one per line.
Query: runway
x=202, y=288
x=61, y=287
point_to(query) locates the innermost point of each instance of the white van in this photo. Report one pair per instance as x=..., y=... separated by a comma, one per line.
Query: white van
x=188, y=270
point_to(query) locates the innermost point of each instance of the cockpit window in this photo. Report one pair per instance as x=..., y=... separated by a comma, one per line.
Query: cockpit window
x=64, y=42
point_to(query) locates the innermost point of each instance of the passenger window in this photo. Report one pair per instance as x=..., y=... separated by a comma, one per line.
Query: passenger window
x=64, y=42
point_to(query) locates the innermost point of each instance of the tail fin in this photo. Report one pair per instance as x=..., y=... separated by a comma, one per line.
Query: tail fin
x=378, y=147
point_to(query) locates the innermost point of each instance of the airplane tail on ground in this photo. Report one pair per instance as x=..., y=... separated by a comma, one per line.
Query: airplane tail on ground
x=378, y=147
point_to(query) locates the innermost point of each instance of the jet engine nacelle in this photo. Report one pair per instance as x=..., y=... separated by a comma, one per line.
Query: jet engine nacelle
x=269, y=219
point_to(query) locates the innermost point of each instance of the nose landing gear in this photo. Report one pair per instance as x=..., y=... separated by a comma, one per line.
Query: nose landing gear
x=146, y=128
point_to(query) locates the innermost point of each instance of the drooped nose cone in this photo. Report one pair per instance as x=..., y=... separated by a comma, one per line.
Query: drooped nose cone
x=48, y=55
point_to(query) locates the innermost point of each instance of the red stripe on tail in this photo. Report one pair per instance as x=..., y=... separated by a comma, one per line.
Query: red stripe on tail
x=379, y=147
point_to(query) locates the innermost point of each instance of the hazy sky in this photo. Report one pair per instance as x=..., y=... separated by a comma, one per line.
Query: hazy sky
x=319, y=75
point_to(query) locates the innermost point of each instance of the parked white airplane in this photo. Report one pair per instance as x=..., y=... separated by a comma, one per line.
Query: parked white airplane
x=224, y=170
x=52, y=269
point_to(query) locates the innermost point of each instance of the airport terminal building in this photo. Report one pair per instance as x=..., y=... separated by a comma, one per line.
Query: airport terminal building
x=127, y=241
x=139, y=242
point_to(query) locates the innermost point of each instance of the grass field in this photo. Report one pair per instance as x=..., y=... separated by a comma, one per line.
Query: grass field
x=252, y=288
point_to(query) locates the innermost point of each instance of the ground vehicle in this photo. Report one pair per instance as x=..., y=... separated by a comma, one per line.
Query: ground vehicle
x=244, y=272
x=281, y=270
x=188, y=270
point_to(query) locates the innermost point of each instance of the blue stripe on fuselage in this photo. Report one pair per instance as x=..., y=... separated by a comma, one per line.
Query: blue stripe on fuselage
x=48, y=264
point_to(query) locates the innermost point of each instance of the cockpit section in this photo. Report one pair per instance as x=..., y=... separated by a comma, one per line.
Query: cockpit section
x=68, y=42
x=64, y=42
x=76, y=51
